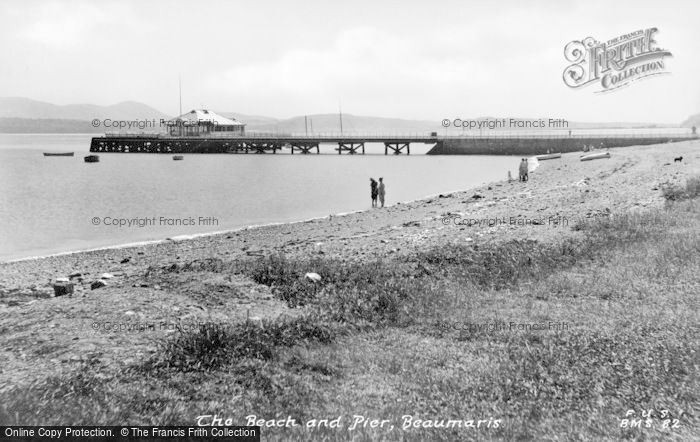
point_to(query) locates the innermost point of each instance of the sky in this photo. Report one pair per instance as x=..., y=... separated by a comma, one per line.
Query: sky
x=403, y=59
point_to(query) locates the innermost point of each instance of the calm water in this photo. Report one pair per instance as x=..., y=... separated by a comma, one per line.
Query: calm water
x=47, y=204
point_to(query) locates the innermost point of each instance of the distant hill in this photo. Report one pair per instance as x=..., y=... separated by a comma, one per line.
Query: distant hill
x=16, y=107
x=47, y=126
x=693, y=120
x=23, y=115
x=571, y=124
x=330, y=123
x=249, y=120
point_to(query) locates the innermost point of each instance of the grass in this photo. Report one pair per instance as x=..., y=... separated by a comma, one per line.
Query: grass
x=375, y=340
x=679, y=193
x=214, y=345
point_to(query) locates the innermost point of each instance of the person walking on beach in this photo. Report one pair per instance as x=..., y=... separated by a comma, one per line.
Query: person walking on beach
x=523, y=170
x=382, y=191
x=374, y=191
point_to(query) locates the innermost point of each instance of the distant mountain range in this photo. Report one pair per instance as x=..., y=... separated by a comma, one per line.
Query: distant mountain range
x=331, y=123
x=23, y=115
x=16, y=107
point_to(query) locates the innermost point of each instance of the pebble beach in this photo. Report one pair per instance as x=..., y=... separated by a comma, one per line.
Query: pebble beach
x=46, y=334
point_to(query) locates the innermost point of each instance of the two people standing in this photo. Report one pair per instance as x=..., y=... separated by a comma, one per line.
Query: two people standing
x=377, y=190
x=523, y=172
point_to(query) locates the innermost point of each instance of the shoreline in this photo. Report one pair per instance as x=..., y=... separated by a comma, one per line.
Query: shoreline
x=179, y=238
x=630, y=180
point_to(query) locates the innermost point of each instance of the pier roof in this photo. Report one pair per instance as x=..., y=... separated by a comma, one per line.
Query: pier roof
x=204, y=115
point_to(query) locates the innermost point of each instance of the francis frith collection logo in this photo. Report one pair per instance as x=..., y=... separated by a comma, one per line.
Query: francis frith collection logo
x=615, y=63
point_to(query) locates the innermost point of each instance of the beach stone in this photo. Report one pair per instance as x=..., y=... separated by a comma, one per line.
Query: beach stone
x=43, y=293
x=313, y=277
x=97, y=284
x=106, y=276
x=124, y=261
x=63, y=288
x=75, y=275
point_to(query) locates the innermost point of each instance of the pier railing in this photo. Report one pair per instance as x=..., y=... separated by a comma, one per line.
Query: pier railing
x=576, y=134
x=680, y=133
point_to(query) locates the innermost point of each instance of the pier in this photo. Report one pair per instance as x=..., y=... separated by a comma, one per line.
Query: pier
x=538, y=144
x=349, y=145
x=494, y=144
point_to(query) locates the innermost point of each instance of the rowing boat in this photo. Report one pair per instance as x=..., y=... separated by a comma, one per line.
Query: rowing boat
x=549, y=156
x=595, y=156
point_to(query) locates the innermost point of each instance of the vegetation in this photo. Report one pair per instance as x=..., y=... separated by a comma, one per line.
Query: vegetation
x=678, y=193
x=443, y=335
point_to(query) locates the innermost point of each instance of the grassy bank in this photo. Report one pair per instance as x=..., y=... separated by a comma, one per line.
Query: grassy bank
x=556, y=340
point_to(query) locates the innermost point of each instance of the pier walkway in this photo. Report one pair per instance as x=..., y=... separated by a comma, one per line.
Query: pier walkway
x=348, y=144
x=493, y=144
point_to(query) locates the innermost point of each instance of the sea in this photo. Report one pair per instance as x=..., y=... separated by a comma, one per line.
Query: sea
x=51, y=205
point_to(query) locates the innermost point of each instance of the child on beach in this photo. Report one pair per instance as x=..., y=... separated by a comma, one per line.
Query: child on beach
x=382, y=191
x=373, y=190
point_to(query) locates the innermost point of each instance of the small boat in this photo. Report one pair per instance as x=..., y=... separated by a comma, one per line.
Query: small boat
x=549, y=156
x=92, y=159
x=178, y=157
x=595, y=156
x=58, y=154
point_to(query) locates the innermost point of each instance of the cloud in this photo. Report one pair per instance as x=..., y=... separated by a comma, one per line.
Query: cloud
x=65, y=25
x=407, y=59
x=363, y=64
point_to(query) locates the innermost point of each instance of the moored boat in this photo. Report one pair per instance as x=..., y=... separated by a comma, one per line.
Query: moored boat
x=595, y=156
x=92, y=159
x=549, y=156
x=58, y=154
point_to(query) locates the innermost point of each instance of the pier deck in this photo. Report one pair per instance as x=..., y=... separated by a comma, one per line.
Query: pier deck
x=526, y=144
x=254, y=144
